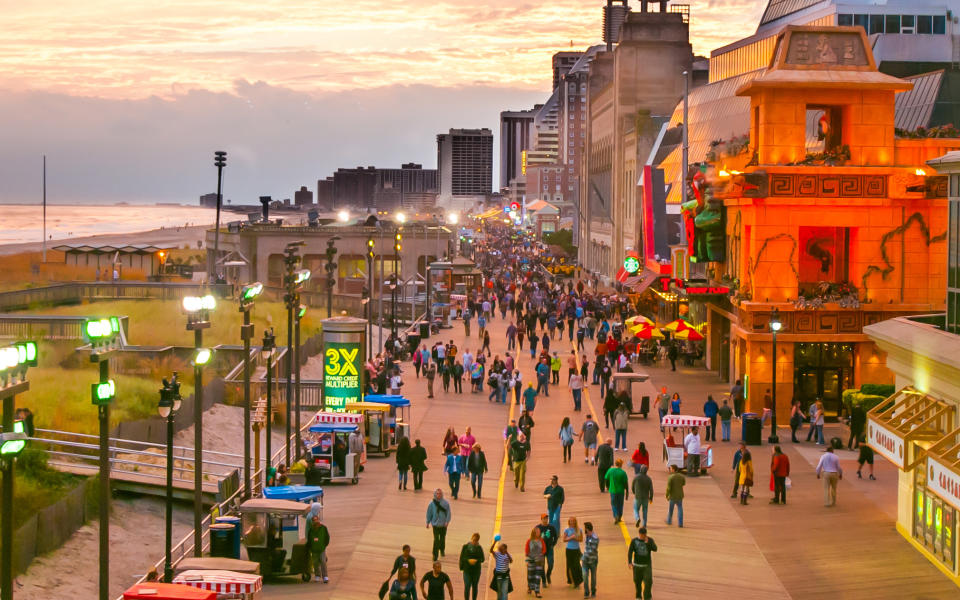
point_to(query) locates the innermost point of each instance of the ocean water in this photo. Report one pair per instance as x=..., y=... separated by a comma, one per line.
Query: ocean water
x=24, y=223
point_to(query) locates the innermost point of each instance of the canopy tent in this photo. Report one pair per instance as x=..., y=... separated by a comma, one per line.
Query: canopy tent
x=684, y=421
x=221, y=582
x=337, y=418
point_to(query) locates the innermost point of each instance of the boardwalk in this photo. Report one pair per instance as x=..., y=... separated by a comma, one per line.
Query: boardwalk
x=725, y=550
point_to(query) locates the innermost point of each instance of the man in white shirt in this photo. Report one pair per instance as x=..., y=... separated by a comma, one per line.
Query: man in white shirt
x=829, y=468
x=395, y=383
x=691, y=444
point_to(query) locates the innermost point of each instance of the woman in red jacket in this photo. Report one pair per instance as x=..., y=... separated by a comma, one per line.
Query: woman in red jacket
x=640, y=457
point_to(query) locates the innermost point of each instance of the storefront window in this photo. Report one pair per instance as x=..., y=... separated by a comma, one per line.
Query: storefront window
x=934, y=522
x=822, y=371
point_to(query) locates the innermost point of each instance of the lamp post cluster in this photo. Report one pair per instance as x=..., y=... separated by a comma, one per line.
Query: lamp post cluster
x=14, y=361
x=248, y=295
x=331, y=268
x=103, y=335
x=268, y=347
x=197, y=309
x=168, y=407
x=293, y=280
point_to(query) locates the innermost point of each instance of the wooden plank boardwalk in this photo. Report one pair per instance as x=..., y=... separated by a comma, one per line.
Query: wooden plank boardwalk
x=725, y=550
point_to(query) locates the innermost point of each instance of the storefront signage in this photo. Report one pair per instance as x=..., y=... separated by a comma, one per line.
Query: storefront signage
x=342, y=366
x=943, y=482
x=887, y=444
x=705, y=290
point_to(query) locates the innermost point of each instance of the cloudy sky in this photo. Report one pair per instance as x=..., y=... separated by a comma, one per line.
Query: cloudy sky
x=129, y=99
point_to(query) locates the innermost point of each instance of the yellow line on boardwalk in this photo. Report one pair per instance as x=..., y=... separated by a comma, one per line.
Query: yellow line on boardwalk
x=593, y=411
x=498, y=515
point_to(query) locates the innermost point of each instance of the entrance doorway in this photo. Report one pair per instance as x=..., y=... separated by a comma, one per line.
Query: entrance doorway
x=822, y=370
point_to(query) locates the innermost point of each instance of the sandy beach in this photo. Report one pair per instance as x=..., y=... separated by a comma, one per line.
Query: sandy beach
x=172, y=236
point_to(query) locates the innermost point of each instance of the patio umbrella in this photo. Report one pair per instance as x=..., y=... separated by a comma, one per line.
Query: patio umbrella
x=678, y=325
x=688, y=334
x=646, y=333
x=638, y=320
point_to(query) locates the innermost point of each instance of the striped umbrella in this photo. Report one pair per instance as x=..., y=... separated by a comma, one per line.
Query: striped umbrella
x=648, y=332
x=678, y=325
x=688, y=334
x=638, y=320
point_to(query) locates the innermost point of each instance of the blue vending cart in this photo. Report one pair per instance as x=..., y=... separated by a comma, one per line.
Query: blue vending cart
x=330, y=452
x=399, y=418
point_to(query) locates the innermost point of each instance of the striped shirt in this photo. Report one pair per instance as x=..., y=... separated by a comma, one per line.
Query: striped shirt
x=502, y=562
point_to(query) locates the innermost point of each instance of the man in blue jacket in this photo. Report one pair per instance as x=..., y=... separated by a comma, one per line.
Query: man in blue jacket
x=710, y=410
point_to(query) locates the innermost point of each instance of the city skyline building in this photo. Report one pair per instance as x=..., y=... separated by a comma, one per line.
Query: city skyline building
x=365, y=188
x=516, y=136
x=464, y=167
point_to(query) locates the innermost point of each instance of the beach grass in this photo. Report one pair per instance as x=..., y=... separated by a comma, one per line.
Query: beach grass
x=161, y=322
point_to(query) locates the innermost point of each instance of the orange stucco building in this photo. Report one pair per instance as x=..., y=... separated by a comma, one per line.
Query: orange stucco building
x=830, y=218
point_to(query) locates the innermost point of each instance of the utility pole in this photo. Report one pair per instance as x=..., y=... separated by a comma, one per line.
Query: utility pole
x=219, y=161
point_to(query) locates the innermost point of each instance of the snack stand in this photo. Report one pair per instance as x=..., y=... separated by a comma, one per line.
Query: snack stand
x=297, y=493
x=228, y=585
x=399, y=417
x=213, y=563
x=673, y=451
x=375, y=425
x=273, y=534
x=329, y=450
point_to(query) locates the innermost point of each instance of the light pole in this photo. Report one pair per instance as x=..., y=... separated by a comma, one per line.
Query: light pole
x=397, y=246
x=219, y=161
x=293, y=279
x=775, y=326
x=168, y=407
x=368, y=308
x=301, y=311
x=331, y=267
x=14, y=361
x=248, y=294
x=453, y=219
x=102, y=335
x=269, y=343
x=197, y=309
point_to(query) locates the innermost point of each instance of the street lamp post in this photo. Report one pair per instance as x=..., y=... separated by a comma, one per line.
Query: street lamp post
x=398, y=237
x=102, y=335
x=168, y=407
x=219, y=161
x=247, y=296
x=291, y=299
x=14, y=361
x=198, y=310
x=331, y=267
x=368, y=308
x=269, y=343
x=775, y=326
x=298, y=316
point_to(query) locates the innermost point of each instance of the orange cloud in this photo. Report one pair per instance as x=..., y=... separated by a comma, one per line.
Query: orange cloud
x=135, y=48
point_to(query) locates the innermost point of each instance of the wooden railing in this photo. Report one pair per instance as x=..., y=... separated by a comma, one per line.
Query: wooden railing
x=73, y=292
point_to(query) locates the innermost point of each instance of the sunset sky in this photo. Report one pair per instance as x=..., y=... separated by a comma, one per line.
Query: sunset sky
x=129, y=98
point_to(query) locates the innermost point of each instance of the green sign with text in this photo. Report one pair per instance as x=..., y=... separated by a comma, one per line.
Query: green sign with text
x=342, y=381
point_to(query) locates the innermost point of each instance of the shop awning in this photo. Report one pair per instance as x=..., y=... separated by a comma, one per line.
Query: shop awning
x=943, y=468
x=907, y=416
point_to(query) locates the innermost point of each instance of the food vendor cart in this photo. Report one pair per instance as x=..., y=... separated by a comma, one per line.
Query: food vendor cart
x=673, y=451
x=213, y=563
x=399, y=417
x=152, y=590
x=375, y=425
x=329, y=451
x=297, y=493
x=274, y=534
x=226, y=584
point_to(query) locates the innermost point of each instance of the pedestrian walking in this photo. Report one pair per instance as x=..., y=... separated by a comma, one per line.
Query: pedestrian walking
x=575, y=383
x=865, y=457
x=418, y=463
x=510, y=433
x=619, y=486
x=663, y=403
x=516, y=384
x=675, y=404
x=525, y=423
x=566, y=435
x=813, y=421
x=779, y=471
x=549, y=534
x=642, y=488
x=640, y=458
x=438, y=517
x=572, y=536
x=543, y=377
x=501, y=582
x=318, y=537
x=405, y=561
x=403, y=462
x=486, y=343
x=737, y=457
x=458, y=372
x=477, y=466
x=746, y=476
x=555, y=498
x=451, y=467
x=590, y=560
x=726, y=415
x=691, y=446
x=675, y=483
x=535, y=551
x=621, y=418
x=738, y=397
x=640, y=558
x=530, y=398
x=819, y=423
x=435, y=582
x=471, y=565
x=403, y=587
x=604, y=463
x=828, y=469
x=711, y=410
x=673, y=353
x=588, y=435
x=418, y=361
x=519, y=449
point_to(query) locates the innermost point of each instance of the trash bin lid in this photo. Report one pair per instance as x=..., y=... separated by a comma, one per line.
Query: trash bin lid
x=222, y=526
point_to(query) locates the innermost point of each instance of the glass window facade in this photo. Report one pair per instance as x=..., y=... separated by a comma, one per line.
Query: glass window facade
x=953, y=259
x=934, y=522
x=885, y=23
x=751, y=57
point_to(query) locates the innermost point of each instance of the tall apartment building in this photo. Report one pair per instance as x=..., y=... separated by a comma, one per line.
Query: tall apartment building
x=303, y=197
x=369, y=188
x=562, y=63
x=465, y=167
x=516, y=135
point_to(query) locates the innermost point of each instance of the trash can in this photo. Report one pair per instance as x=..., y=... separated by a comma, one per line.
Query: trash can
x=751, y=433
x=424, y=329
x=222, y=537
x=235, y=521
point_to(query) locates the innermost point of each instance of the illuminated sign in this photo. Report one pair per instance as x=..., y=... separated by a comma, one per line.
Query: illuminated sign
x=707, y=289
x=342, y=366
x=514, y=207
x=885, y=443
x=943, y=482
x=631, y=264
x=523, y=162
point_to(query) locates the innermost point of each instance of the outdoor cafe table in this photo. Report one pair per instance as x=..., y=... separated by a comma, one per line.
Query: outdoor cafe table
x=227, y=584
